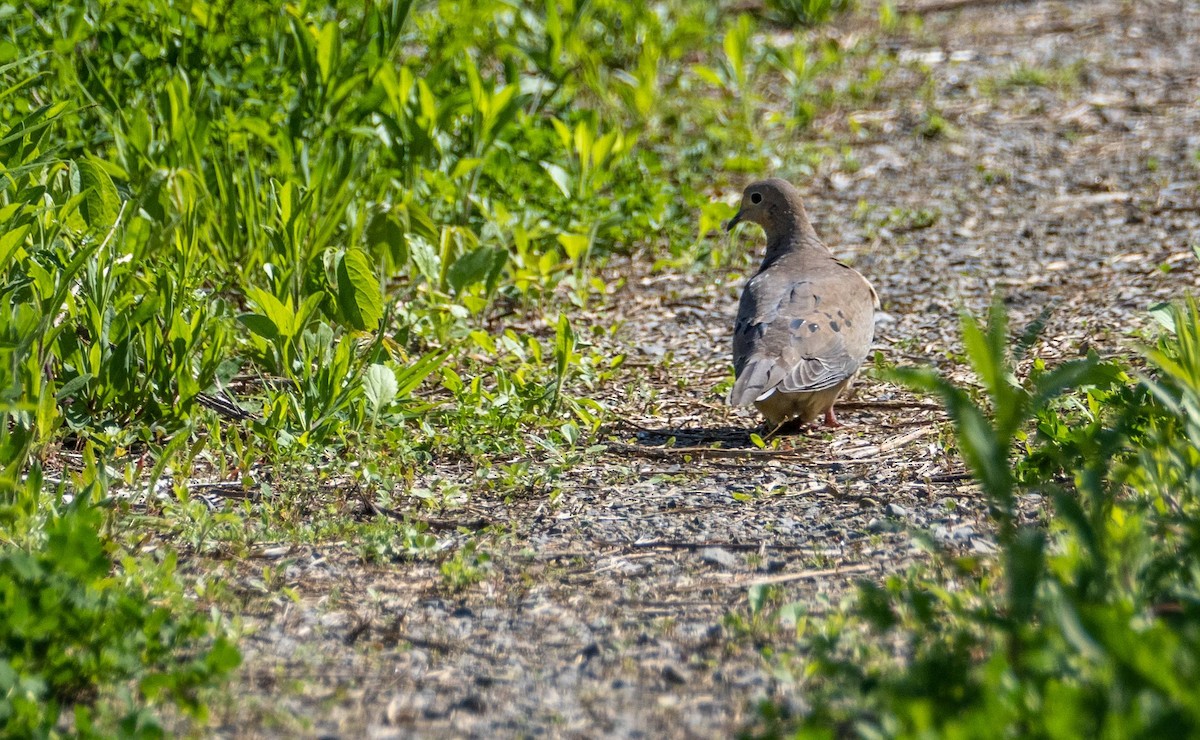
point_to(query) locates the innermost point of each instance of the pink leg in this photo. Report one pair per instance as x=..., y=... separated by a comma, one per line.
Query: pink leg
x=830, y=419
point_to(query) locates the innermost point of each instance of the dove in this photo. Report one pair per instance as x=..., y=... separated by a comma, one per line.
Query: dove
x=805, y=321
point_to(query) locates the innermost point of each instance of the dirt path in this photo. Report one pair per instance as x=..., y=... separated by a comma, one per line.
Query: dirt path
x=607, y=613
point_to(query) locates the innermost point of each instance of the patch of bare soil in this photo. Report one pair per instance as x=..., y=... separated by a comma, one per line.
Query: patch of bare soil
x=604, y=615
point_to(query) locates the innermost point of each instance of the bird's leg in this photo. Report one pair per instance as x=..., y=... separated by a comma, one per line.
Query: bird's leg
x=830, y=419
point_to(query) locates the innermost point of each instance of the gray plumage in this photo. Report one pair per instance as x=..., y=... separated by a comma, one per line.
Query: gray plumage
x=805, y=321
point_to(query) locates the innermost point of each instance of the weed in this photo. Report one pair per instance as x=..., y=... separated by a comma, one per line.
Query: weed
x=1083, y=613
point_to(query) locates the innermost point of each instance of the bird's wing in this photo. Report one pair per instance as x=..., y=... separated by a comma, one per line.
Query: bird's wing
x=801, y=335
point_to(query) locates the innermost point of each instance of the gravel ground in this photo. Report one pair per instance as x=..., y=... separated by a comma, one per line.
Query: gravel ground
x=605, y=613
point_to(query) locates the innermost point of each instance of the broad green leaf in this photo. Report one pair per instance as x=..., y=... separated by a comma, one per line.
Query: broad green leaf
x=1164, y=314
x=986, y=453
x=385, y=235
x=475, y=267
x=465, y=167
x=1071, y=375
x=707, y=74
x=575, y=245
x=274, y=310
x=584, y=137
x=425, y=257
x=223, y=656
x=260, y=325
x=358, y=291
x=304, y=43
x=101, y=202
x=756, y=597
x=734, y=45
x=379, y=387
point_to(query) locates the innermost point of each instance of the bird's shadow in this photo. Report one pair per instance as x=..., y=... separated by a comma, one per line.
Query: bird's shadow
x=732, y=438
x=727, y=437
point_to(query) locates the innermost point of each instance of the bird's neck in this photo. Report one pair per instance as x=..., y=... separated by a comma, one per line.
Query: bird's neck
x=797, y=236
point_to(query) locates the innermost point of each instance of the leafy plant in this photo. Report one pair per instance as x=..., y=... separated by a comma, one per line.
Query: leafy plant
x=107, y=647
x=1084, y=627
x=808, y=12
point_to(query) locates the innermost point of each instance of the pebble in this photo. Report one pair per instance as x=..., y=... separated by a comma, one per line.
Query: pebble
x=719, y=556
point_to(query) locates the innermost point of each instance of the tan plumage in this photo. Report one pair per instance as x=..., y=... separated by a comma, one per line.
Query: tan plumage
x=805, y=321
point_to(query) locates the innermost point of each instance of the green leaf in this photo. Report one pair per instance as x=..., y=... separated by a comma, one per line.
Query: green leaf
x=328, y=41
x=426, y=258
x=9, y=242
x=358, y=293
x=260, y=325
x=385, y=235
x=101, y=202
x=380, y=387
x=274, y=310
x=757, y=598
x=559, y=176
x=464, y=167
x=1026, y=563
x=477, y=266
x=223, y=657
x=575, y=245
x=984, y=451
x=1164, y=314
x=1071, y=375
x=410, y=377
x=73, y=385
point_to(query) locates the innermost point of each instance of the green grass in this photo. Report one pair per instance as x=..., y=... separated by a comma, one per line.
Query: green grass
x=333, y=215
x=1085, y=624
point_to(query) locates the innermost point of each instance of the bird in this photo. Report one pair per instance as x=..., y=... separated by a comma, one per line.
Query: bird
x=805, y=321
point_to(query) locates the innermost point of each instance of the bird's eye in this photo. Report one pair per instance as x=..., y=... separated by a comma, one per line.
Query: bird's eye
x=756, y=198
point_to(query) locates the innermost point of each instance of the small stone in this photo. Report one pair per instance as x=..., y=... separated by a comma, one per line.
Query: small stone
x=982, y=546
x=895, y=510
x=962, y=533
x=719, y=557
x=473, y=703
x=400, y=710
x=673, y=675
x=773, y=565
x=334, y=620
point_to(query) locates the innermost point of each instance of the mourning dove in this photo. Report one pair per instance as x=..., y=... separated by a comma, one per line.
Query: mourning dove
x=805, y=321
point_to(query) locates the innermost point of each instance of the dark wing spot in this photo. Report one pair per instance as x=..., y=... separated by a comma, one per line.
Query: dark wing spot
x=834, y=325
x=840, y=314
x=849, y=323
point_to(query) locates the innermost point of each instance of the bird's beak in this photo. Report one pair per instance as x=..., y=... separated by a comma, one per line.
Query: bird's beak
x=737, y=219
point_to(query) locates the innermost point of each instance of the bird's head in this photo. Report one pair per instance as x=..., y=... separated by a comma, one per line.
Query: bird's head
x=774, y=205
